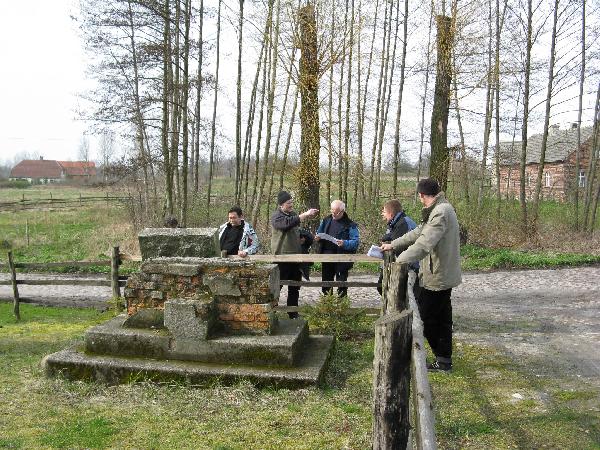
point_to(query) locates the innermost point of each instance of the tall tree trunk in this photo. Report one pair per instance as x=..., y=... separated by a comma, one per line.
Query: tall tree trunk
x=400, y=95
x=238, y=115
x=523, y=163
x=286, y=149
x=184, y=105
x=214, y=117
x=538, y=182
x=165, y=110
x=579, y=113
x=589, y=188
x=489, y=107
x=329, y=132
x=441, y=102
x=379, y=98
x=175, y=64
x=347, y=113
x=270, y=108
x=200, y=82
x=424, y=98
x=360, y=174
x=308, y=171
x=387, y=89
x=340, y=96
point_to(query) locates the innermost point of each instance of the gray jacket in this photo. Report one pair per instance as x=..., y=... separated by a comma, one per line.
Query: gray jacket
x=436, y=244
x=285, y=238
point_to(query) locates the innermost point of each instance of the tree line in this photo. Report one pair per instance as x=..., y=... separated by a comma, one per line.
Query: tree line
x=337, y=93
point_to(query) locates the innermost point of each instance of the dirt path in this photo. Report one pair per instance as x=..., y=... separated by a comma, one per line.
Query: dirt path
x=549, y=319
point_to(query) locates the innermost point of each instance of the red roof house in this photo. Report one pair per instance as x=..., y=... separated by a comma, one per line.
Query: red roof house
x=49, y=171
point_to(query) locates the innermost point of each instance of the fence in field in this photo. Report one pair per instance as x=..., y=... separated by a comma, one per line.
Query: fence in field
x=402, y=404
x=53, y=202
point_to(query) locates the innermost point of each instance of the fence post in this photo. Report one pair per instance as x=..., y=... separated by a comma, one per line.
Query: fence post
x=27, y=231
x=114, y=272
x=13, y=277
x=391, y=381
x=80, y=199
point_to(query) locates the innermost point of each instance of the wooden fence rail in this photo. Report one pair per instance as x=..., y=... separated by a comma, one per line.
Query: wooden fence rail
x=114, y=281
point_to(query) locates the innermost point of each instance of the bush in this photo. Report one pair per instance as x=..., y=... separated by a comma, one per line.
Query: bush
x=14, y=184
x=333, y=315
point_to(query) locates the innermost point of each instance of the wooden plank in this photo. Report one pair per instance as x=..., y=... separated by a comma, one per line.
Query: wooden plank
x=391, y=381
x=66, y=282
x=372, y=284
x=13, y=279
x=421, y=390
x=298, y=258
x=63, y=264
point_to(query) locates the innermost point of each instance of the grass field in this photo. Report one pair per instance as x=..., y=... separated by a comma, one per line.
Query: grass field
x=476, y=406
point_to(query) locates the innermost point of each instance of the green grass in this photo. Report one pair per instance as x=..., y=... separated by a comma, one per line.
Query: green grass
x=475, y=407
x=480, y=258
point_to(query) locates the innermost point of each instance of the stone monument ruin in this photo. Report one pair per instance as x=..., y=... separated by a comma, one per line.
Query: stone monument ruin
x=192, y=317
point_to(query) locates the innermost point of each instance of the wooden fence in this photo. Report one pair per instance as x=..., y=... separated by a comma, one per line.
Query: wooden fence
x=52, y=202
x=401, y=390
x=113, y=281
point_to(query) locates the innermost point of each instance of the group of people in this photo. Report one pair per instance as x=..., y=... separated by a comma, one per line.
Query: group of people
x=431, y=249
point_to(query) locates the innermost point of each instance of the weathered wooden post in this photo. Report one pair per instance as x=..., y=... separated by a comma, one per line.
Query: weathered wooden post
x=114, y=272
x=27, y=231
x=393, y=345
x=391, y=380
x=13, y=278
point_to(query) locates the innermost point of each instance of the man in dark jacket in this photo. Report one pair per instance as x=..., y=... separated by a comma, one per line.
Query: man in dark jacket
x=285, y=240
x=398, y=224
x=346, y=239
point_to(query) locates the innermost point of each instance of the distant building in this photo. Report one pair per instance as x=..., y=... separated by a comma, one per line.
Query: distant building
x=559, y=168
x=44, y=171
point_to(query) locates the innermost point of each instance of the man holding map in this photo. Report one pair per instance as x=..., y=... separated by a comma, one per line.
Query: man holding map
x=337, y=234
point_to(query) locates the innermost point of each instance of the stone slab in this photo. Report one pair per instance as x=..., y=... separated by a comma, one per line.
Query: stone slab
x=188, y=319
x=76, y=365
x=183, y=242
x=281, y=349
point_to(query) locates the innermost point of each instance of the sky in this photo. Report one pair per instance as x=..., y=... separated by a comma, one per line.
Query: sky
x=43, y=72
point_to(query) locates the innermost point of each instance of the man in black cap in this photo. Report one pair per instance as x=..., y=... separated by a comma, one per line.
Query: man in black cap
x=436, y=244
x=285, y=240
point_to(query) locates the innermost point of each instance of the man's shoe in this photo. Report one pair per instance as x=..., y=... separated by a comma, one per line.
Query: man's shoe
x=438, y=366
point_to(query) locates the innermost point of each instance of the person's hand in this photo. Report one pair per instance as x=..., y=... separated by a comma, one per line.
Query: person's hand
x=340, y=243
x=317, y=238
x=312, y=212
x=386, y=247
x=242, y=253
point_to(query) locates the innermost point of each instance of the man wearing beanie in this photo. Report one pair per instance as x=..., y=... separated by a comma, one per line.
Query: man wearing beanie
x=436, y=244
x=285, y=240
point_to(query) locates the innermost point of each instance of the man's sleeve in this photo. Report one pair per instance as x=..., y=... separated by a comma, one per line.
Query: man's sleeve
x=254, y=242
x=352, y=243
x=430, y=234
x=399, y=230
x=284, y=222
x=407, y=239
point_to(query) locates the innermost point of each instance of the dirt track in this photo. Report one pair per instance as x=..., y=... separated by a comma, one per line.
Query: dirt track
x=548, y=318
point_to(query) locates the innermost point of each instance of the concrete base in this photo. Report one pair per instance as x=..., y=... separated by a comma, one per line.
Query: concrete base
x=76, y=365
x=281, y=349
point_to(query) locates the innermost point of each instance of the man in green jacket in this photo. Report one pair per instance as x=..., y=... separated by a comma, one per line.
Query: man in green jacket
x=285, y=240
x=436, y=244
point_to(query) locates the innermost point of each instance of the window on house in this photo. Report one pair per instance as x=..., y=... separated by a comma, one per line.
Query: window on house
x=528, y=179
x=547, y=179
x=582, y=178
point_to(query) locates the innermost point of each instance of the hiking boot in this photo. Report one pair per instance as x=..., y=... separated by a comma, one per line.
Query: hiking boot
x=438, y=366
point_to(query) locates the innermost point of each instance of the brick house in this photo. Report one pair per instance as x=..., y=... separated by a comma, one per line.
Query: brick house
x=44, y=171
x=559, y=169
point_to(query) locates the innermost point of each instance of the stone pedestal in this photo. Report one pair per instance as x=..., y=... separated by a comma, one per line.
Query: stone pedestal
x=190, y=319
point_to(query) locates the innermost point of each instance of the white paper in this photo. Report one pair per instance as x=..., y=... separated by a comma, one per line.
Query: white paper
x=327, y=237
x=375, y=252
